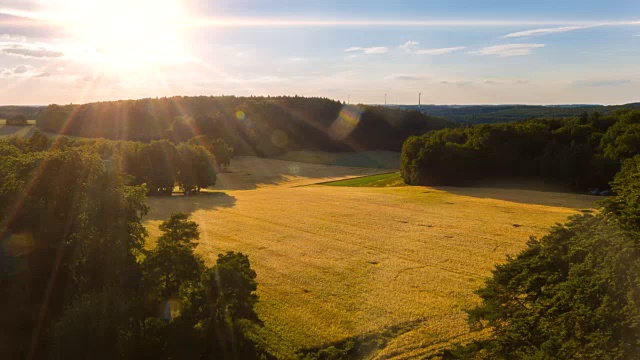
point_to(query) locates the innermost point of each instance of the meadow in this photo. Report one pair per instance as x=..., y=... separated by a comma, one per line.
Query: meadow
x=336, y=262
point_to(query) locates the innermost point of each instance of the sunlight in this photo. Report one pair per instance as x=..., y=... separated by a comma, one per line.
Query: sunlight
x=129, y=34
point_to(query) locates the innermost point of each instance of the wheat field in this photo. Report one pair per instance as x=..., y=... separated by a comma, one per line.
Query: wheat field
x=336, y=262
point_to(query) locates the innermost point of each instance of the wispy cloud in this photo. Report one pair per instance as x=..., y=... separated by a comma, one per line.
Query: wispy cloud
x=31, y=53
x=405, y=77
x=598, y=83
x=259, y=22
x=508, y=50
x=440, y=51
x=546, y=31
x=369, y=50
x=409, y=44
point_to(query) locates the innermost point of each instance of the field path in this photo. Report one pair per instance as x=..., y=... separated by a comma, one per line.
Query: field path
x=334, y=262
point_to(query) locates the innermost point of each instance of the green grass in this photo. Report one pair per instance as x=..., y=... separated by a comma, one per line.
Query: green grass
x=382, y=180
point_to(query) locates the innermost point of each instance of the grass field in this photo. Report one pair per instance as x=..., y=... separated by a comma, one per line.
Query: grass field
x=381, y=180
x=335, y=262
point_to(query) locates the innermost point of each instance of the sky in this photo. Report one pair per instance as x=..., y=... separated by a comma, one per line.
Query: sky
x=450, y=51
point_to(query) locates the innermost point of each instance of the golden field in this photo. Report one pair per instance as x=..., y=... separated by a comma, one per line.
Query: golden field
x=335, y=262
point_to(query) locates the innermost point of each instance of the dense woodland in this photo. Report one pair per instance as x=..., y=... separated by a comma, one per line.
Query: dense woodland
x=580, y=152
x=29, y=112
x=490, y=114
x=256, y=125
x=76, y=280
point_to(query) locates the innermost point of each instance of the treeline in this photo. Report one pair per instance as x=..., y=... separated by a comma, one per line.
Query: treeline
x=29, y=112
x=254, y=125
x=573, y=294
x=158, y=165
x=77, y=282
x=580, y=152
x=490, y=114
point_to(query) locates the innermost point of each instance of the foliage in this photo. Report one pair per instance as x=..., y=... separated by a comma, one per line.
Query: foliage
x=575, y=293
x=19, y=120
x=76, y=282
x=490, y=114
x=251, y=126
x=578, y=153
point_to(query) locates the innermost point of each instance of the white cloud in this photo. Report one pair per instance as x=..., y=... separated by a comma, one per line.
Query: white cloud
x=31, y=52
x=369, y=50
x=408, y=45
x=546, y=31
x=441, y=51
x=508, y=50
x=637, y=35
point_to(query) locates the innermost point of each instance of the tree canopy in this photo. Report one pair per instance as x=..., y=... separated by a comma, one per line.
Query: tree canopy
x=76, y=280
x=578, y=152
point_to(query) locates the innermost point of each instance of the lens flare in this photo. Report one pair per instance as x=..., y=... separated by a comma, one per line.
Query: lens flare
x=19, y=244
x=279, y=138
x=240, y=115
x=171, y=309
x=346, y=122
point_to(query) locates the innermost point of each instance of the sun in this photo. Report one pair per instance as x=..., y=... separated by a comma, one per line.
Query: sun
x=129, y=33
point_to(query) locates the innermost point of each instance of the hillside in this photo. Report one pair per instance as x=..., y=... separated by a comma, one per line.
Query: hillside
x=264, y=126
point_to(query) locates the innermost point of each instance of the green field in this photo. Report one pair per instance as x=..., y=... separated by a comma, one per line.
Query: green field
x=382, y=180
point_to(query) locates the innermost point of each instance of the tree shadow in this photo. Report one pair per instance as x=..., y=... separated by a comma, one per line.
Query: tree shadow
x=249, y=173
x=525, y=194
x=9, y=130
x=162, y=207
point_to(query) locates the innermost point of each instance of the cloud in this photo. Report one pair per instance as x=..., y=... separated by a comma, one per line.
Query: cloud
x=637, y=35
x=22, y=69
x=18, y=71
x=405, y=77
x=546, y=31
x=369, y=50
x=14, y=38
x=441, y=51
x=40, y=53
x=409, y=44
x=508, y=50
x=598, y=83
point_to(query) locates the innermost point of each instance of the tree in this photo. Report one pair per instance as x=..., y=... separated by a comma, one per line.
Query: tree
x=159, y=160
x=17, y=120
x=575, y=293
x=172, y=262
x=222, y=153
x=196, y=169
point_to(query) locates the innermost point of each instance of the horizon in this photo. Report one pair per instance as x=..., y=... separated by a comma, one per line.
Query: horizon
x=338, y=100
x=493, y=53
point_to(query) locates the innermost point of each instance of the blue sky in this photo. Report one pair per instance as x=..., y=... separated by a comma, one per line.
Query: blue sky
x=453, y=52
